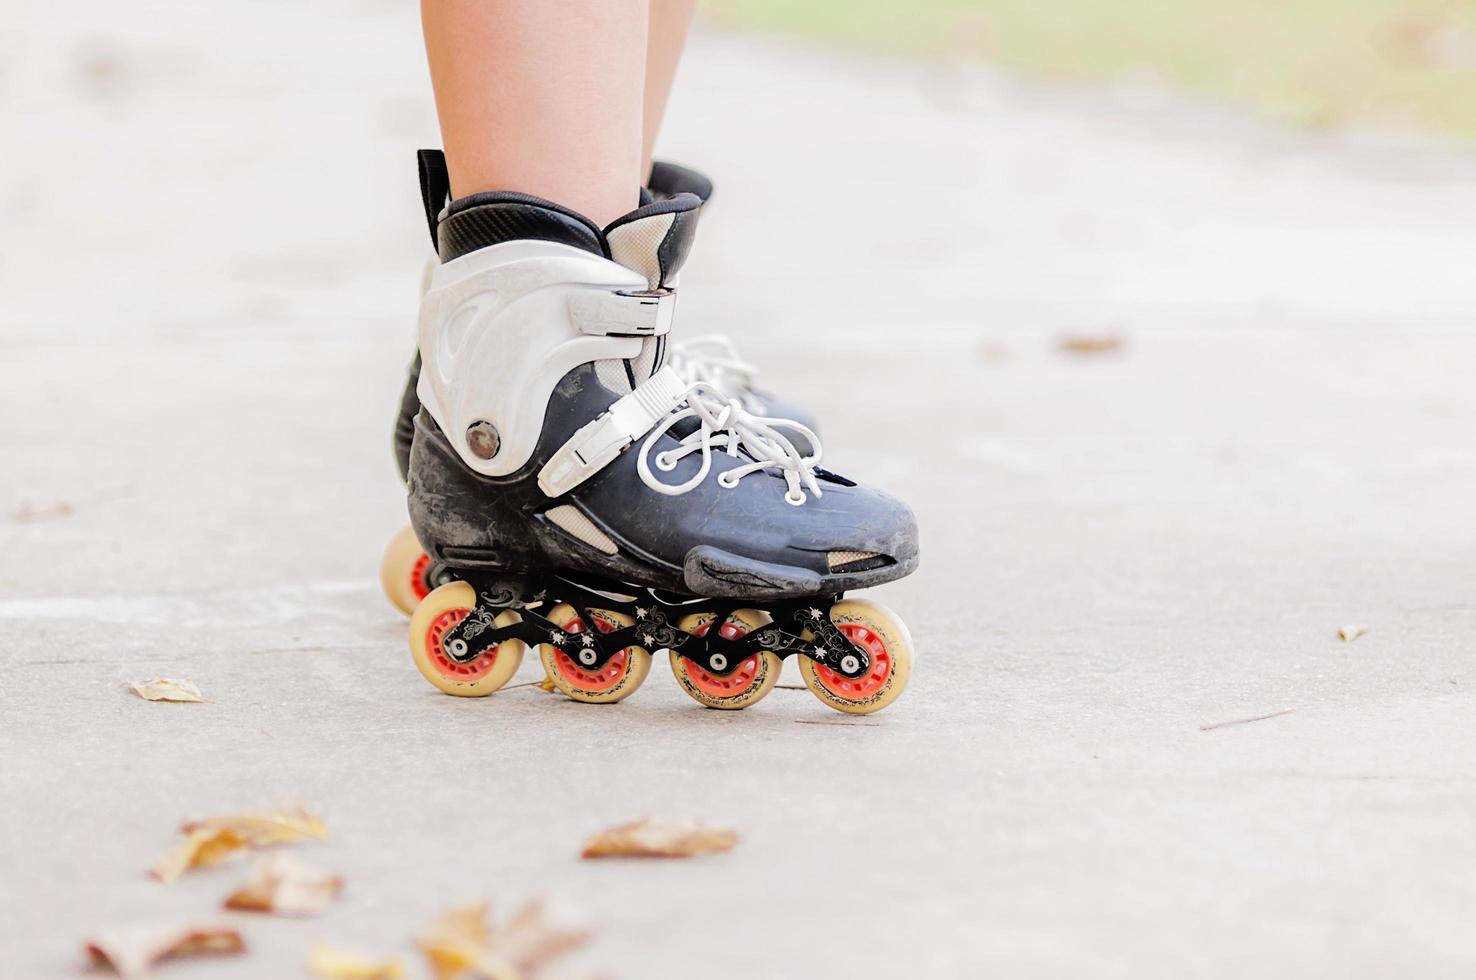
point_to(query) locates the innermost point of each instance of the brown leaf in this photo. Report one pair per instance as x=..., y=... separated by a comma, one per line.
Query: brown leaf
x=1352, y=632
x=455, y=941
x=1090, y=345
x=133, y=952
x=167, y=689
x=197, y=850
x=532, y=939
x=1245, y=721
x=659, y=837
x=460, y=945
x=280, y=885
x=211, y=841
x=28, y=513
x=286, y=825
x=333, y=964
x=991, y=350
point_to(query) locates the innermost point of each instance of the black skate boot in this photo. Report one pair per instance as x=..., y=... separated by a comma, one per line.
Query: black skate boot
x=405, y=572
x=589, y=500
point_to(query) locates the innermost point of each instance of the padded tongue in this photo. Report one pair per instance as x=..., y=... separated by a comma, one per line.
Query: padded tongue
x=623, y=376
x=635, y=242
x=653, y=240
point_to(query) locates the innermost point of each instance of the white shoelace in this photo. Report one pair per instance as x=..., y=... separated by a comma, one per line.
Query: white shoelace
x=713, y=359
x=727, y=425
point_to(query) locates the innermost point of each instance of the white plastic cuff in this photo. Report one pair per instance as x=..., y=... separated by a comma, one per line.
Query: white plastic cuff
x=593, y=447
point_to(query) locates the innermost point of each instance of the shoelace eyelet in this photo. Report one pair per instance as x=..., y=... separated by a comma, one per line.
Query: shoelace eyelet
x=726, y=426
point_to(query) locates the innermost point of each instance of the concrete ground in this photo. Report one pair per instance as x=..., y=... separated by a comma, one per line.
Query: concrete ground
x=209, y=246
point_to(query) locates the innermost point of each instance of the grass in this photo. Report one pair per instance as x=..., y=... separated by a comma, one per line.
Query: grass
x=1409, y=63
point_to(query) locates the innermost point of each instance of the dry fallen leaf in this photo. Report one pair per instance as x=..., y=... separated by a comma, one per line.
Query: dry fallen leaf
x=132, y=952
x=1350, y=633
x=532, y=939
x=211, y=841
x=461, y=946
x=202, y=848
x=28, y=513
x=1083, y=344
x=167, y=689
x=993, y=351
x=1245, y=721
x=280, y=885
x=659, y=837
x=286, y=825
x=333, y=964
x=455, y=942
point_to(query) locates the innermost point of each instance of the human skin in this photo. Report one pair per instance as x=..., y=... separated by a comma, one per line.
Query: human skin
x=559, y=100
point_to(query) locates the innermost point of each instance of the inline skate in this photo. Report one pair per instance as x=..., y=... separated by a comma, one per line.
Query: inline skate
x=583, y=498
x=406, y=572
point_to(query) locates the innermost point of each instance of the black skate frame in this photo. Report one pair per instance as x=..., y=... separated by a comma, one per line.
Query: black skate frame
x=655, y=614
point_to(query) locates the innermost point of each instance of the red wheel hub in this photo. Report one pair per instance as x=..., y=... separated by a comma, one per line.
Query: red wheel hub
x=869, y=683
x=419, y=587
x=607, y=676
x=435, y=644
x=723, y=686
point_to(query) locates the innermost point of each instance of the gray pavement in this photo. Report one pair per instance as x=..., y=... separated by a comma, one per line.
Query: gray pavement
x=209, y=245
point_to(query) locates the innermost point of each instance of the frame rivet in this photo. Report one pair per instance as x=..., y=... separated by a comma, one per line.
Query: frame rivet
x=482, y=439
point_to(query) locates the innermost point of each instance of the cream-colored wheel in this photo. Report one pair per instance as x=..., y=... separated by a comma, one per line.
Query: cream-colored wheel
x=617, y=679
x=885, y=637
x=437, y=613
x=403, y=571
x=749, y=681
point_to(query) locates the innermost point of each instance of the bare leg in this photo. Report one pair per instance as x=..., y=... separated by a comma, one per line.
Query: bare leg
x=669, y=22
x=541, y=97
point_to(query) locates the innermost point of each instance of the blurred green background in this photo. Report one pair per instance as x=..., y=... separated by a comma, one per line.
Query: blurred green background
x=1405, y=63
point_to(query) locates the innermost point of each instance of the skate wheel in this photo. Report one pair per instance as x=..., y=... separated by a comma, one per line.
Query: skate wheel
x=620, y=676
x=753, y=678
x=441, y=610
x=885, y=637
x=405, y=571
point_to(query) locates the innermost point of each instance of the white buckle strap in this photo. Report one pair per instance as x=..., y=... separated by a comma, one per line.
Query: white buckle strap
x=623, y=313
x=597, y=443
